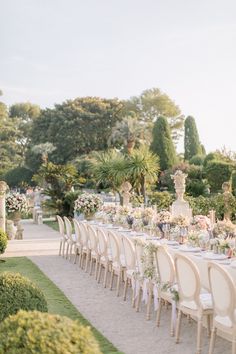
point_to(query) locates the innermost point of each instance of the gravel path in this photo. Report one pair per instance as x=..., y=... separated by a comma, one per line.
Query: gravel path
x=116, y=319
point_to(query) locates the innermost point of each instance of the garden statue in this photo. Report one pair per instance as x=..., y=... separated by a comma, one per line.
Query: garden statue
x=179, y=180
x=180, y=206
x=228, y=200
x=3, y=189
x=11, y=229
x=125, y=192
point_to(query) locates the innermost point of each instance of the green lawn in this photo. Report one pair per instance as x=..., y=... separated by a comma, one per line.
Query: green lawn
x=52, y=223
x=57, y=301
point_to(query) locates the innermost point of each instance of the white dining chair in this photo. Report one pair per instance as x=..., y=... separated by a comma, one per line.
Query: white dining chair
x=93, y=246
x=166, y=276
x=224, y=304
x=64, y=238
x=71, y=237
x=104, y=260
x=192, y=301
x=130, y=266
x=78, y=244
x=84, y=239
x=117, y=263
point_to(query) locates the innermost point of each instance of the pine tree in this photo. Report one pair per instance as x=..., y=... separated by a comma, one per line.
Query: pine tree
x=162, y=143
x=192, y=145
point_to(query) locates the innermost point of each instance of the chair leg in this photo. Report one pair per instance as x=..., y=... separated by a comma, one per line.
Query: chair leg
x=158, y=319
x=138, y=300
x=70, y=251
x=91, y=266
x=177, y=334
x=212, y=341
x=118, y=284
x=60, y=248
x=76, y=254
x=149, y=304
x=96, y=268
x=67, y=250
x=199, y=336
x=111, y=280
x=63, y=249
x=208, y=326
x=105, y=276
x=234, y=345
x=133, y=297
x=125, y=289
x=99, y=272
x=87, y=261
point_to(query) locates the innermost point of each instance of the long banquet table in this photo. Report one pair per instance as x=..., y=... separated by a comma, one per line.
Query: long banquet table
x=196, y=257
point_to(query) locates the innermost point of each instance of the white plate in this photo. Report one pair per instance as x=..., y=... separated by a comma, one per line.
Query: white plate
x=215, y=256
x=189, y=249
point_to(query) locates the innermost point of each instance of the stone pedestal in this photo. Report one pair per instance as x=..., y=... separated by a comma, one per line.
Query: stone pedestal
x=37, y=215
x=3, y=189
x=181, y=207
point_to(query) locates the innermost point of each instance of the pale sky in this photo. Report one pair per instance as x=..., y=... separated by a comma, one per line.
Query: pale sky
x=53, y=50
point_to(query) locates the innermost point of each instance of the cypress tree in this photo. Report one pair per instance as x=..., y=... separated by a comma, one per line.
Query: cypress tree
x=162, y=144
x=192, y=145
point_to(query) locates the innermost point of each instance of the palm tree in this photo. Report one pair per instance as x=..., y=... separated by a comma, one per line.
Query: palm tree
x=109, y=168
x=44, y=150
x=142, y=168
x=126, y=133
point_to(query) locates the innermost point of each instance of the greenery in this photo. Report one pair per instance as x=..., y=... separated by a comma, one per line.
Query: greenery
x=36, y=332
x=217, y=173
x=59, y=180
x=18, y=177
x=56, y=300
x=19, y=293
x=162, y=200
x=3, y=241
x=162, y=144
x=192, y=146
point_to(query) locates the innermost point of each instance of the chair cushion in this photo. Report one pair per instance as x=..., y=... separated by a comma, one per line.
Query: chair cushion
x=205, y=300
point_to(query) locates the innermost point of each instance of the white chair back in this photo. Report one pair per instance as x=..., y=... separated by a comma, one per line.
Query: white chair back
x=68, y=227
x=83, y=234
x=129, y=253
x=93, y=240
x=188, y=279
x=114, y=246
x=223, y=292
x=164, y=265
x=102, y=243
x=61, y=225
x=77, y=230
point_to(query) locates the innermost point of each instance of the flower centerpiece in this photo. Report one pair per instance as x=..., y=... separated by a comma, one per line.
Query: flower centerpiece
x=224, y=229
x=16, y=204
x=88, y=204
x=182, y=223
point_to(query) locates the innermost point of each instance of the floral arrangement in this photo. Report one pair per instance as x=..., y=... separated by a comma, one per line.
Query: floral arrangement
x=198, y=238
x=88, y=203
x=16, y=202
x=224, y=228
x=163, y=217
x=180, y=221
x=201, y=222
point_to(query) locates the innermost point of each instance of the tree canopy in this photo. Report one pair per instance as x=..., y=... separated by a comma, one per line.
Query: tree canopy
x=192, y=145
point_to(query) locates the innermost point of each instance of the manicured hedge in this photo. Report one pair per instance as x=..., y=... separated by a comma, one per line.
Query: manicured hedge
x=19, y=293
x=42, y=333
x=3, y=241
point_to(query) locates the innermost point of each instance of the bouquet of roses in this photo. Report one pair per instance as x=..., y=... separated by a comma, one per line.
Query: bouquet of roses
x=16, y=203
x=88, y=203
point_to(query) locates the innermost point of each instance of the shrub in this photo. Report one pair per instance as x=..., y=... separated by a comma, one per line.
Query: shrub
x=162, y=200
x=35, y=332
x=18, y=177
x=233, y=182
x=3, y=241
x=18, y=292
x=197, y=160
x=218, y=172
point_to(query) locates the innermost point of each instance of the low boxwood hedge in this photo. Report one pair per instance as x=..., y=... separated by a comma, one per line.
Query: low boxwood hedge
x=19, y=293
x=3, y=241
x=42, y=333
